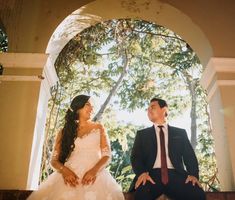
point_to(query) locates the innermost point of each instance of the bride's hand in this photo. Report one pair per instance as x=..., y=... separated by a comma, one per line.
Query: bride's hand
x=89, y=177
x=70, y=178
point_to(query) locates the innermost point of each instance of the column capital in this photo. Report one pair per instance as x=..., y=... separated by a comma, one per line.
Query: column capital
x=23, y=60
x=214, y=66
x=211, y=80
x=29, y=61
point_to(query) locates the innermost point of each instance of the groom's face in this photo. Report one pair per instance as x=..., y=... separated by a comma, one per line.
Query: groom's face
x=155, y=112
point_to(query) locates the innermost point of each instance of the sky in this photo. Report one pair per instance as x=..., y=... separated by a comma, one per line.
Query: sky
x=139, y=116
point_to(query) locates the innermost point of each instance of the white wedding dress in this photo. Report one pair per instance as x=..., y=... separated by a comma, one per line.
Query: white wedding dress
x=85, y=155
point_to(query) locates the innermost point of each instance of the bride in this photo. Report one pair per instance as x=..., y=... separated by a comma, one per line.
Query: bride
x=81, y=153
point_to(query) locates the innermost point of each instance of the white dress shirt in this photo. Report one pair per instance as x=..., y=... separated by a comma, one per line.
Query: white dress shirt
x=157, y=163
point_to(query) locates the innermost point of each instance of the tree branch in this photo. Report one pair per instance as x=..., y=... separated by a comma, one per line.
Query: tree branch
x=114, y=89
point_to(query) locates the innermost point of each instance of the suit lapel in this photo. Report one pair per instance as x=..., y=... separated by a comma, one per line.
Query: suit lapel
x=153, y=135
x=170, y=136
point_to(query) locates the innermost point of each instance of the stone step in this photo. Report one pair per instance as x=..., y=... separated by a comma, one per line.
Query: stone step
x=209, y=196
x=23, y=194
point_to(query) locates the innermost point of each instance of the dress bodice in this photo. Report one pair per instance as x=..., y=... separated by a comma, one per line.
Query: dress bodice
x=89, y=142
x=87, y=149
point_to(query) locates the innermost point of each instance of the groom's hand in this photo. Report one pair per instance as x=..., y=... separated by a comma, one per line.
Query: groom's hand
x=194, y=181
x=143, y=178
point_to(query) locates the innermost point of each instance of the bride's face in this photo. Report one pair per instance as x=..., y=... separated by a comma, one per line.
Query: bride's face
x=86, y=111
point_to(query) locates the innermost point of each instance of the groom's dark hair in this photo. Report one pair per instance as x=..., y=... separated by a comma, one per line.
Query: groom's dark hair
x=162, y=103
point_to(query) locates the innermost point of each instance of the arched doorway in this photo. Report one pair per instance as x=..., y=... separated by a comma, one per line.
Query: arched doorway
x=151, y=11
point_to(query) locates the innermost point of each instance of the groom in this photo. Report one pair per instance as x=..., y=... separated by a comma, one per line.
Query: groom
x=163, y=160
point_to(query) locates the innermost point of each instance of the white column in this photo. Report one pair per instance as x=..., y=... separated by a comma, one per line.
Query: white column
x=219, y=81
x=24, y=93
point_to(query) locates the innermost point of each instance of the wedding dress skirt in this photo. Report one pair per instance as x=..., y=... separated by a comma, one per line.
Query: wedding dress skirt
x=85, y=155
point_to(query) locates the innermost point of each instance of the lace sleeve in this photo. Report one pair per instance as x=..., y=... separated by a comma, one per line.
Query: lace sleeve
x=55, y=155
x=105, y=144
x=56, y=152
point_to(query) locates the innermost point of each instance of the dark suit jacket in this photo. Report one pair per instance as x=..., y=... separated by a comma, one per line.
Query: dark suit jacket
x=180, y=151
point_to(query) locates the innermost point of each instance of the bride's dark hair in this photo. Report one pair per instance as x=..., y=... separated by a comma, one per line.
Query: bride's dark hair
x=69, y=131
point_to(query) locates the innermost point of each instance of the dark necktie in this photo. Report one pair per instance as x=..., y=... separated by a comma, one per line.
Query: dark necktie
x=164, y=170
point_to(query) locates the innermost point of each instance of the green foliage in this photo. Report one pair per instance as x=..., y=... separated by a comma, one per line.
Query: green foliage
x=205, y=148
x=122, y=137
x=3, y=41
x=130, y=61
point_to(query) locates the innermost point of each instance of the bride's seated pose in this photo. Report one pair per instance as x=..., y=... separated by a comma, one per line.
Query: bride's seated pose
x=81, y=153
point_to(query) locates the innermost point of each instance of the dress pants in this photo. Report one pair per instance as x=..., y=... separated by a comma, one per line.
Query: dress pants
x=175, y=189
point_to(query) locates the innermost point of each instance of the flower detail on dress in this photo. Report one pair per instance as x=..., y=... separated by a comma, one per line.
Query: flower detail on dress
x=90, y=195
x=109, y=197
x=70, y=194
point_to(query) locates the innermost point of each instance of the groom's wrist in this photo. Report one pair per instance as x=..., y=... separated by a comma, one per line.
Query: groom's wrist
x=143, y=173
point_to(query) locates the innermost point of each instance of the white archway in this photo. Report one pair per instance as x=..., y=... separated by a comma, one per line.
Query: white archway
x=153, y=11
x=103, y=10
